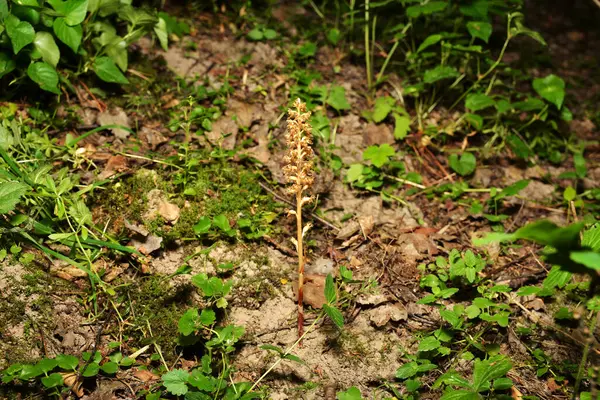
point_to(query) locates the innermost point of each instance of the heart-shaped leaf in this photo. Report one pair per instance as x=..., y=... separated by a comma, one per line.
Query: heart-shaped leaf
x=44, y=75
x=464, y=165
x=480, y=29
x=21, y=33
x=551, y=88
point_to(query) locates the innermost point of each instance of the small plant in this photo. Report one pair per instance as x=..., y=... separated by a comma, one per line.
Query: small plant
x=300, y=176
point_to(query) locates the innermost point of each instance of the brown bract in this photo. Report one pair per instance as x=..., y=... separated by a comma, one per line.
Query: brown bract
x=299, y=166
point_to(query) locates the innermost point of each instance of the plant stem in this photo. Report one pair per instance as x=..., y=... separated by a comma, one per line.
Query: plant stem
x=300, y=264
x=367, y=50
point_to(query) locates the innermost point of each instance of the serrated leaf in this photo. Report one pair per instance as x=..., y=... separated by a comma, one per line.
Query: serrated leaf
x=200, y=381
x=330, y=293
x=383, y=106
x=45, y=44
x=10, y=195
x=337, y=98
x=207, y=317
x=175, y=381
x=551, y=88
x=107, y=70
x=407, y=370
x=591, y=238
x=480, y=29
x=69, y=35
x=401, y=127
x=429, y=343
x=335, y=315
x=379, y=155
x=488, y=370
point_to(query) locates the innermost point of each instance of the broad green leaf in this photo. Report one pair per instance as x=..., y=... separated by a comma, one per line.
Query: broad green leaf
x=429, y=343
x=472, y=311
x=335, y=315
x=426, y=9
x=337, y=98
x=488, y=370
x=354, y=172
x=476, y=121
x=330, y=293
x=110, y=367
x=379, y=155
x=438, y=73
x=188, y=322
x=517, y=145
x=478, y=101
x=175, y=382
x=7, y=64
x=75, y=11
x=383, y=106
x=44, y=75
x=591, y=238
x=465, y=165
x=160, y=29
x=407, y=370
x=351, y=394
x=270, y=34
x=557, y=278
x=207, y=317
x=10, y=194
x=401, y=127
x=91, y=370
x=551, y=88
x=21, y=33
x=107, y=70
x=67, y=362
x=528, y=291
x=480, y=29
x=334, y=35
x=45, y=44
x=47, y=364
x=570, y=193
x=3, y=10
x=590, y=259
x=222, y=223
x=460, y=395
x=69, y=35
x=256, y=34
x=52, y=380
x=202, y=226
x=200, y=381
x=520, y=29
x=429, y=41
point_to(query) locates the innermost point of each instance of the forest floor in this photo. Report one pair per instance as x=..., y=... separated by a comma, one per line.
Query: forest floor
x=389, y=241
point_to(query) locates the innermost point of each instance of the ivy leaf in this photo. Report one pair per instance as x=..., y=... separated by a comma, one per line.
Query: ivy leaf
x=45, y=44
x=464, y=165
x=551, y=88
x=480, y=29
x=107, y=70
x=10, y=194
x=478, y=101
x=69, y=35
x=175, y=381
x=337, y=98
x=75, y=11
x=21, y=33
x=379, y=155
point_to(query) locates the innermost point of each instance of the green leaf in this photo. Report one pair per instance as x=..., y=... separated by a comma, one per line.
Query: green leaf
x=200, y=381
x=334, y=35
x=557, y=277
x=44, y=75
x=351, y=394
x=520, y=29
x=429, y=41
x=222, y=223
x=426, y=9
x=160, y=29
x=473, y=311
x=52, y=380
x=3, y=10
x=551, y=88
x=45, y=44
x=207, y=317
x=407, y=370
x=337, y=98
x=175, y=381
x=335, y=315
x=429, y=343
x=590, y=259
x=480, y=29
x=438, y=73
x=255, y=34
x=270, y=34
x=110, y=367
x=75, y=11
x=580, y=168
x=21, y=33
x=383, y=106
x=202, y=226
x=69, y=35
x=91, y=370
x=460, y=395
x=379, y=155
x=354, y=172
x=488, y=370
x=10, y=194
x=47, y=364
x=188, y=322
x=528, y=291
x=517, y=145
x=107, y=70
x=476, y=121
x=465, y=165
x=402, y=126
x=478, y=101
x=569, y=194
x=67, y=362
x=7, y=64
x=330, y=293
x=591, y=238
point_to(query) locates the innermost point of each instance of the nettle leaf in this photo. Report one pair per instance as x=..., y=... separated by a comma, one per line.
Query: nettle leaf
x=45, y=44
x=330, y=293
x=429, y=343
x=551, y=88
x=352, y=393
x=335, y=315
x=402, y=126
x=337, y=98
x=478, y=101
x=69, y=35
x=107, y=70
x=175, y=381
x=465, y=165
x=438, y=73
x=10, y=195
x=383, y=106
x=75, y=11
x=480, y=29
x=429, y=41
x=426, y=9
x=379, y=155
x=21, y=33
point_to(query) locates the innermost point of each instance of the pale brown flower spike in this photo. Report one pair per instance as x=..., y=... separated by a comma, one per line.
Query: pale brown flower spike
x=299, y=174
